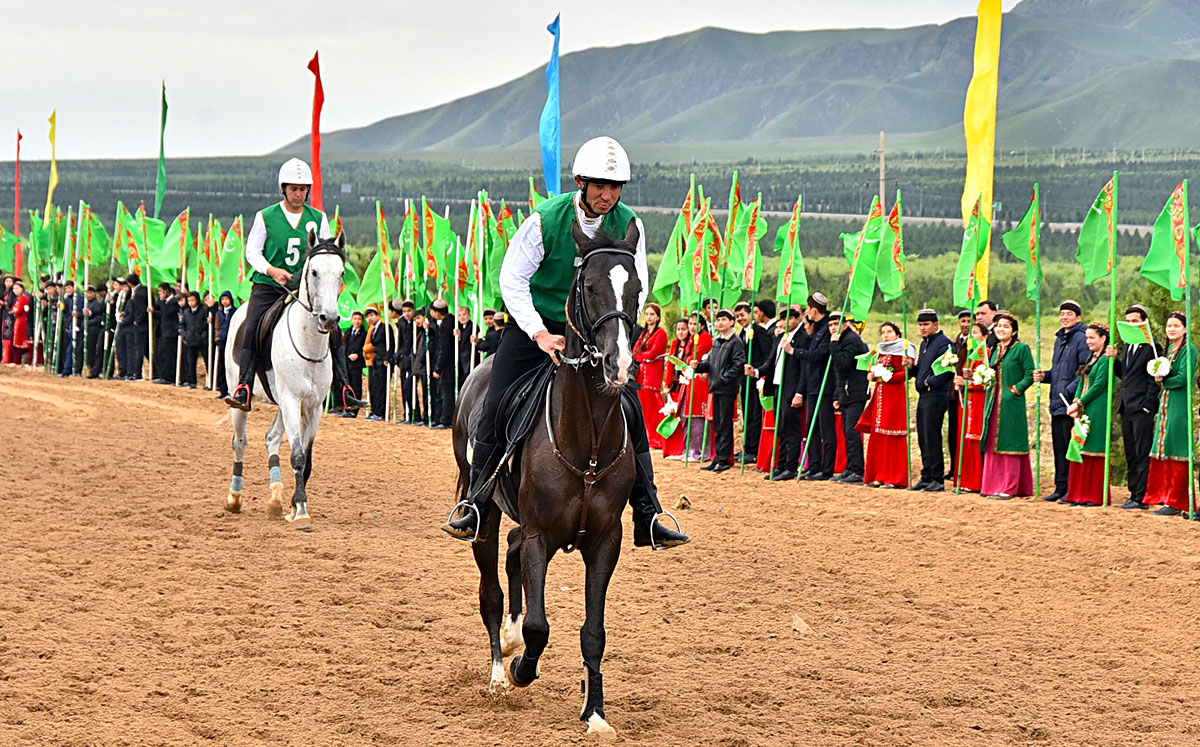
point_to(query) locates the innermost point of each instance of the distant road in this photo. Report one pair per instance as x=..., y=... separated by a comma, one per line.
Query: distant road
x=907, y=219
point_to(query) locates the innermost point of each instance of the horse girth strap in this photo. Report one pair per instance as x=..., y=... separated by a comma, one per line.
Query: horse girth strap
x=591, y=475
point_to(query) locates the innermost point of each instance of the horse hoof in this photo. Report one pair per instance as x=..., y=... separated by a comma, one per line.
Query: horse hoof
x=597, y=725
x=499, y=684
x=233, y=502
x=510, y=673
x=511, y=638
x=299, y=518
x=275, y=502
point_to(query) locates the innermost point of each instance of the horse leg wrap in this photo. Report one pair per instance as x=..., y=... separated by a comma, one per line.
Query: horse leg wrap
x=276, y=473
x=237, y=483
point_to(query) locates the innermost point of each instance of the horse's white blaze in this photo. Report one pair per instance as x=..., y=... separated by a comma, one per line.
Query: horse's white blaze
x=619, y=276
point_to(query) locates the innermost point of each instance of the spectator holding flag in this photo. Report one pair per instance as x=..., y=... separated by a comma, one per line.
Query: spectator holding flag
x=1168, y=480
x=1089, y=409
x=972, y=404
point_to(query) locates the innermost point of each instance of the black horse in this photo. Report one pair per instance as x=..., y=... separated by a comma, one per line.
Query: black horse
x=575, y=475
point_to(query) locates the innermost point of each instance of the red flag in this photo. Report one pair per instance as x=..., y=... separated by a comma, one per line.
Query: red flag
x=318, y=101
x=19, y=259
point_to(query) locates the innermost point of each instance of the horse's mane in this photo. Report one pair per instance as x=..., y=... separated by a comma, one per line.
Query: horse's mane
x=603, y=241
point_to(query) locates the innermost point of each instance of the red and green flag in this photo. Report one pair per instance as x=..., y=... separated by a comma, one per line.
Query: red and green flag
x=1024, y=243
x=1166, y=262
x=232, y=268
x=535, y=199
x=793, y=280
x=672, y=259
x=891, y=263
x=862, y=253
x=1097, y=236
x=977, y=237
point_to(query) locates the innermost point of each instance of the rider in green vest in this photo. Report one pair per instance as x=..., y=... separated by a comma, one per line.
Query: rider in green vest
x=535, y=280
x=276, y=248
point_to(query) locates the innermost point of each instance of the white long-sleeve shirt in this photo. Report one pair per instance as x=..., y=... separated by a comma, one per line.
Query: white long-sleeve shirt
x=525, y=254
x=257, y=238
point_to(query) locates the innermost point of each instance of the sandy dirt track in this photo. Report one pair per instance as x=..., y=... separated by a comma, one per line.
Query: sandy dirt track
x=133, y=610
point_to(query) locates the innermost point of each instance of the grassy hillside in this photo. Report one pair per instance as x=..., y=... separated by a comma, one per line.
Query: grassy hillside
x=1092, y=73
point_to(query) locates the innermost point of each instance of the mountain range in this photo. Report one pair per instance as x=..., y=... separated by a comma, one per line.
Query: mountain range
x=1073, y=73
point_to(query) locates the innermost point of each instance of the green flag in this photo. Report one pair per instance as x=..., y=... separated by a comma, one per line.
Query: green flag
x=96, y=242
x=672, y=260
x=862, y=253
x=8, y=249
x=891, y=263
x=231, y=275
x=1166, y=262
x=1024, y=243
x=793, y=280
x=743, y=265
x=160, y=182
x=1096, y=237
x=1134, y=334
x=976, y=238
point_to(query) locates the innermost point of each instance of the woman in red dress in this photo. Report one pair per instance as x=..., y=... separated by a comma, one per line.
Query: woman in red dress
x=674, y=389
x=885, y=419
x=19, y=347
x=650, y=352
x=971, y=410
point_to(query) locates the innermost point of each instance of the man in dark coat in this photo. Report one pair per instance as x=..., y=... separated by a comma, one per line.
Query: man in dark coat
x=166, y=334
x=443, y=366
x=1137, y=403
x=380, y=338
x=355, y=337
x=783, y=378
x=405, y=343
x=725, y=366
x=762, y=346
x=93, y=314
x=468, y=355
x=1070, y=353
x=490, y=342
x=850, y=391
x=931, y=401
x=818, y=396
x=136, y=320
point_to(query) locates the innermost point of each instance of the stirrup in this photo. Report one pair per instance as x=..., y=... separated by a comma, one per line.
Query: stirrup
x=654, y=522
x=478, y=519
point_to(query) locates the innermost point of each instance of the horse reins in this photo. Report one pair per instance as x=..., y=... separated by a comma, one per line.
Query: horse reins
x=591, y=354
x=325, y=247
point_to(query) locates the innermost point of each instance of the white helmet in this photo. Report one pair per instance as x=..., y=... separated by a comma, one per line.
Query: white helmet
x=601, y=159
x=295, y=171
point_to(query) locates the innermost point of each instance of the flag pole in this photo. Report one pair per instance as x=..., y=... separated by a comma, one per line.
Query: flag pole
x=149, y=302
x=904, y=345
x=74, y=326
x=687, y=440
x=783, y=361
x=183, y=284
x=1187, y=342
x=106, y=354
x=1112, y=323
x=86, y=278
x=61, y=300
x=1037, y=310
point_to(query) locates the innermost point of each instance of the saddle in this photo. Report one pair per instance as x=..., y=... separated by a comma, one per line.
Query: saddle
x=518, y=413
x=263, y=335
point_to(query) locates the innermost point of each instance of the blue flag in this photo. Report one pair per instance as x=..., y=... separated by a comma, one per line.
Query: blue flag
x=550, y=126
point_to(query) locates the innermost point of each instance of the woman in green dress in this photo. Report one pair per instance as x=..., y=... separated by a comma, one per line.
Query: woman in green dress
x=1086, y=483
x=1168, y=482
x=1006, y=470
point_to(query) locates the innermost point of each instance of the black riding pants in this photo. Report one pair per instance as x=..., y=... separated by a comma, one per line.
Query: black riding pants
x=262, y=296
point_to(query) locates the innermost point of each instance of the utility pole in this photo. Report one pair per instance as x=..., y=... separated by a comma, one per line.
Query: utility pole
x=882, y=173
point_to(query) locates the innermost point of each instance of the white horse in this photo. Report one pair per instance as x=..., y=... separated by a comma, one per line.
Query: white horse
x=299, y=379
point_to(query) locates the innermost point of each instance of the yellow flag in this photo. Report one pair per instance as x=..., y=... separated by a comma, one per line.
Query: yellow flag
x=979, y=122
x=53, y=172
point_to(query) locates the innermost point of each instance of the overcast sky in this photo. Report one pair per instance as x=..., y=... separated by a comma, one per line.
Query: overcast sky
x=235, y=71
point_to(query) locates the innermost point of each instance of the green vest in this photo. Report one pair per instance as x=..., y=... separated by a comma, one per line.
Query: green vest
x=551, y=284
x=286, y=247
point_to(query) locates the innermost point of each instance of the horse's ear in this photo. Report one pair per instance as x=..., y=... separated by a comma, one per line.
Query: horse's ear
x=577, y=233
x=312, y=238
x=340, y=240
x=632, y=234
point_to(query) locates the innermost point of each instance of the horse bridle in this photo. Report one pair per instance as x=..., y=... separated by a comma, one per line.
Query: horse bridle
x=325, y=247
x=591, y=353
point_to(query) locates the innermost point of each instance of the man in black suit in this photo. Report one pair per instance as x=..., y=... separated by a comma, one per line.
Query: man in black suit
x=819, y=386
x=850, y=391
x=1137, y=402
x=959, y=346
x=94, y=314
x=443, y=365
x=490, y=342
x=931, y=401
x=762, y=344
x=354, y=340
x=468, y=354
x=783, y=378
x=135, y=323
x=405, y=346
x=166, y=334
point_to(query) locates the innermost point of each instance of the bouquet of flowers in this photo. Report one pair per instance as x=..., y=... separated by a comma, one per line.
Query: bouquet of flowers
x=687, y=374
x=881, y=372
x=669, y=408
x=946, y=362
x=983, y=376
x=1160, y=366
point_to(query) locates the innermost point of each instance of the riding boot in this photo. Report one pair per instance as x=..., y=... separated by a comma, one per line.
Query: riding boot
x=341, y=376
x=647, y=532
x=240, y=397
x=478, y=501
